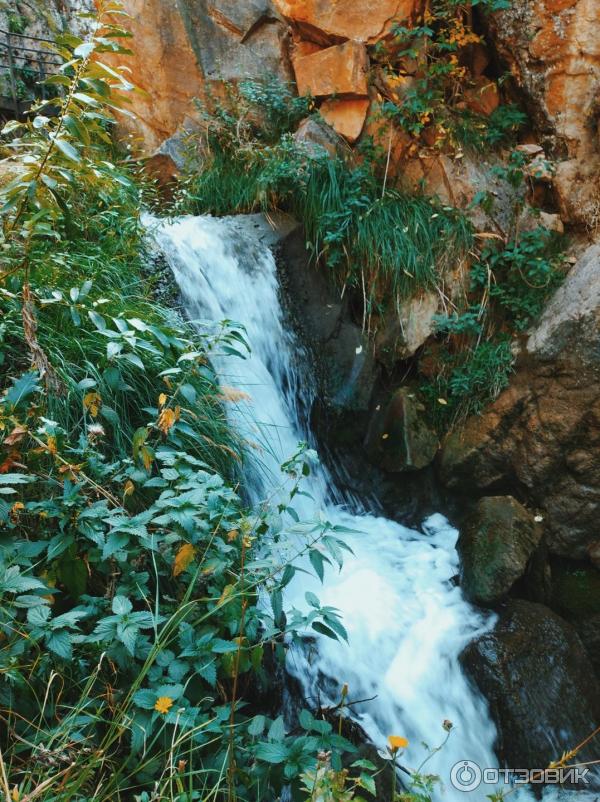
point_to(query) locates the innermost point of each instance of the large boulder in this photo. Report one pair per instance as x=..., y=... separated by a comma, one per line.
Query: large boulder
x=337, y=70
x=553, y=52
x=542, y=436
x=540, y=685
x=495, y=545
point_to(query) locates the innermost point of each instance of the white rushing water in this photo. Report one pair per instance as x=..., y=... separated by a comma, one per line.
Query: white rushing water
x=406, y=619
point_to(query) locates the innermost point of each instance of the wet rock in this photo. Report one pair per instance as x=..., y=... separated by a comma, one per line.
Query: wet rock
x=337, y=70
x=576, y=596
x=320, y=139
x=345, y=365
x=539, y=682
x=406, y=328
x=495, y=545
x=542, y=435
x=399, y=438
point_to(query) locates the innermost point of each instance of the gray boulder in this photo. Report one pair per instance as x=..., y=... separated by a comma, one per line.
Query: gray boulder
x=399, y=438
x=496, y=542
x=539, y=683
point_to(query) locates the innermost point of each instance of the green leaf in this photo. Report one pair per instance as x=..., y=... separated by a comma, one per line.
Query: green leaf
x=272, y=752
x=188, y=391
x=15, y=479
x=257, y=726
x=306, y=719
x=312, y=600
x=277, y=729
x=145, y=699
x=121, y=605
x=317, y=561
x=324, y=630
x=59, y=642
x=22, y=388
x=67, y=149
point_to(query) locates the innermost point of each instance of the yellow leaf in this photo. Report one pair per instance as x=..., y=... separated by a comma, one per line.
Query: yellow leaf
x=51, y=444
x=233, y=395
x=92, y=402
x=129, y=488
x=231, y=536
x=397, y=742
x=227, y=591
x=184, y=557
x=166, y=419
x=162, y=399
x=147, y=457
x=14, y=794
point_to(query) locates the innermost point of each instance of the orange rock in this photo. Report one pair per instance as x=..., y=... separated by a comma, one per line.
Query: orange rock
x=361, y=20
x=347, y=117
x=338, y=70
x=483, y=97
x=553, y=50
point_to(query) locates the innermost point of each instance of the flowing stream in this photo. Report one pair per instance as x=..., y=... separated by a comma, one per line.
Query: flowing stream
x=407, y=620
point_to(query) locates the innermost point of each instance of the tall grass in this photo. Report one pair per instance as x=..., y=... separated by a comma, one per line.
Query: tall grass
x=387, y=242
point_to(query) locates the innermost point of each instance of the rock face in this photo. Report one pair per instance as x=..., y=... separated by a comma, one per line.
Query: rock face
x=338, y=70
x=346, y=116
x=540, y=685
x=542, y=436
x=360, y=20
x=345, y=360
x=553, y=50
x=185, y=48
x=399, y=438
x=495, y=545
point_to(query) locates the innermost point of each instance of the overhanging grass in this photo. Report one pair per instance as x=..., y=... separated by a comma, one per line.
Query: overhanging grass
x=390, y=243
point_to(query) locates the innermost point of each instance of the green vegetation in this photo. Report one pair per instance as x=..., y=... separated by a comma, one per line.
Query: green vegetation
x=368, y=234
x=142, y=607
x=509, y=286
x=429, y=86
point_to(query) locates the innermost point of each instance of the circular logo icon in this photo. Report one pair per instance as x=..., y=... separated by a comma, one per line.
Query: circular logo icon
x=465, y=775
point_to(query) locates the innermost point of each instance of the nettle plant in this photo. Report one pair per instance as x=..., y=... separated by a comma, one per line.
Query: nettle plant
x=142, y=602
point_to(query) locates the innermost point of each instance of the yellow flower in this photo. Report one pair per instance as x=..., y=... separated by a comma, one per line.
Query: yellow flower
x=163, y=704
x=397, y=742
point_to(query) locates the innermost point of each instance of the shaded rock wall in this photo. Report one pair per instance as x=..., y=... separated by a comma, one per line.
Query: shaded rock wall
x=541, y=439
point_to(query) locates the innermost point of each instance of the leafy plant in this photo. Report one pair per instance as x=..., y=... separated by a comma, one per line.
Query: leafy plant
x=427, y=83
x=142, y=602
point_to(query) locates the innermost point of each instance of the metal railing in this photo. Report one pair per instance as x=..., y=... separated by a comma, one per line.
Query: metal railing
x=27, y=64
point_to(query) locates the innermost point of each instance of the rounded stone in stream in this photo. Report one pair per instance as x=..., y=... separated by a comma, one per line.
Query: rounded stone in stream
x=496, y=542
x=539, y=683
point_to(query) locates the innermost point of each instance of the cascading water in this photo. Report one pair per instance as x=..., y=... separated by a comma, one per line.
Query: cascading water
x=406, y=619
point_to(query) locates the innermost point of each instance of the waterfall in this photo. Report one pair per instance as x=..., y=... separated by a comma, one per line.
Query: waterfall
x=407, y=620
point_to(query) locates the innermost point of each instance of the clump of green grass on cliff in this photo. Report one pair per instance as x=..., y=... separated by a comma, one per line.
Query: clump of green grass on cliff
x=361, y=227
